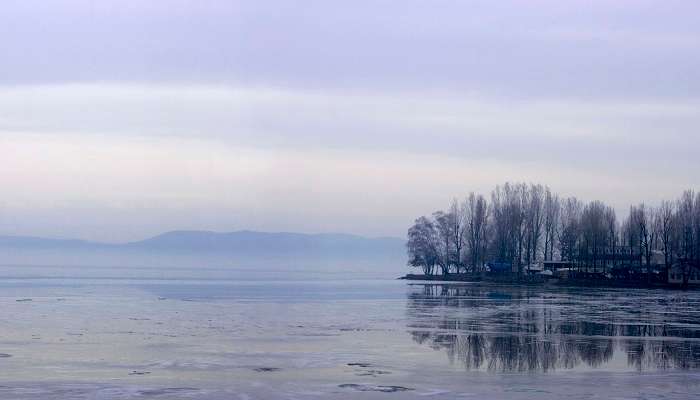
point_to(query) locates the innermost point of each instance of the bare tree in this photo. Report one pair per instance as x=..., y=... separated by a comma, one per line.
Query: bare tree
x=443, y=227
x=686, y=213
x=612, y=233
x=641, y=218
x=500, y=224
x=696, y=229
x=569, y=227
x=551, y=223
x=631, y=234
x=519, y=219
x=476, y=211
x=687, y=234
x=423, y=245
x=664, y=226
x=509, y=209
x=534, y=221
x=594, y=232
x=457, y=231
x=649, y=236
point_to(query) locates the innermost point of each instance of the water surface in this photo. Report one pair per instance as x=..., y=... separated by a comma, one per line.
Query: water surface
x=86, y=337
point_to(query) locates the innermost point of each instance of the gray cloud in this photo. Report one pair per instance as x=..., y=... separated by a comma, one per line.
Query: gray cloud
x=581, y=48
x=597, y=135
x=146, y=116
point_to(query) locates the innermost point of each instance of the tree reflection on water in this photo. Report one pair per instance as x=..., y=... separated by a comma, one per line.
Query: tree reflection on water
x=521, y=329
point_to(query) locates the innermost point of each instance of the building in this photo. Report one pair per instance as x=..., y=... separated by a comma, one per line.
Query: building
x=556, y=265
x=608, y=258
x=500, y=267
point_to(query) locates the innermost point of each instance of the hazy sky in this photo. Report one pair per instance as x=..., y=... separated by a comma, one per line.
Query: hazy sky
x=122, y=119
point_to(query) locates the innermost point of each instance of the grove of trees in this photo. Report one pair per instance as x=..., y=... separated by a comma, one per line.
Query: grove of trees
x=522, y=224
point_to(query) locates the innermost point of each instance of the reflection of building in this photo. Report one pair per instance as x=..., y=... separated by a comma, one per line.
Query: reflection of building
x=563, y=273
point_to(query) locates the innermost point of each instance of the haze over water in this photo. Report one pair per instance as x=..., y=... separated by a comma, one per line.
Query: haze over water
x=85, y=337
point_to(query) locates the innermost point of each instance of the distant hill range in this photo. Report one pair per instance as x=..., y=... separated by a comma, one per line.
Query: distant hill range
x=241, y=243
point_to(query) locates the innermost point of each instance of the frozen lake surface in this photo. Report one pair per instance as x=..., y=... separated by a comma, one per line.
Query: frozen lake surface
x=142, y=338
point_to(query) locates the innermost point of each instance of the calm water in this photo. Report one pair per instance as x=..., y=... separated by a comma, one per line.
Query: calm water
x=87, y=338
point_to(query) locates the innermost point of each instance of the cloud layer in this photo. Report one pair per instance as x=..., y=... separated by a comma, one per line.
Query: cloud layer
x=123, y=119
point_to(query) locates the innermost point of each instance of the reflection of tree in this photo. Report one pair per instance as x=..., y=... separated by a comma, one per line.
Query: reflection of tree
x=510, y=329
x=663, y=354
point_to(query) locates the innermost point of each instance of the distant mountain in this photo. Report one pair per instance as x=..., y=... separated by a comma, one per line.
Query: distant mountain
x=242, y=243
x=38, y=242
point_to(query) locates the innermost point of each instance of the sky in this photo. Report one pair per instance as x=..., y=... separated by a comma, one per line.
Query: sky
x=123, y=119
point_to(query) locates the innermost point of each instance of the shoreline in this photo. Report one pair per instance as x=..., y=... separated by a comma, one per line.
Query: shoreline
x=532, y=281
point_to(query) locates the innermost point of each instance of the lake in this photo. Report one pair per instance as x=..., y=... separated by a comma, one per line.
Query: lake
x=91, y=337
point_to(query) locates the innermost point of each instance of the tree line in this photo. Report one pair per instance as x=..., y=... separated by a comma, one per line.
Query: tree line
x=521, y=224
